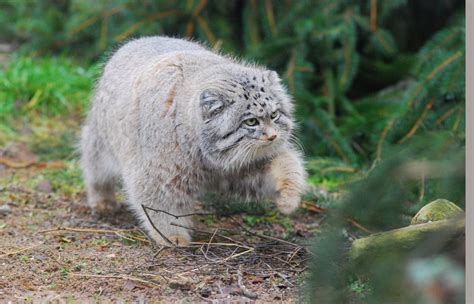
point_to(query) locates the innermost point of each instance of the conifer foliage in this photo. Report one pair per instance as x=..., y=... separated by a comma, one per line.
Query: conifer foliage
x=356, y=90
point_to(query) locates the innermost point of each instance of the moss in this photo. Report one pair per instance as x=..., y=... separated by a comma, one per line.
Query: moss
x=437, y=210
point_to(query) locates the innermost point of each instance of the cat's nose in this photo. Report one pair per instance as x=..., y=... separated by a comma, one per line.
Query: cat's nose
x=272, y=137
x=271, y=134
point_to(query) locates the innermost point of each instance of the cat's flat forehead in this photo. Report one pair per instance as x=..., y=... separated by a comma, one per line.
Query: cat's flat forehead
x=253, y=92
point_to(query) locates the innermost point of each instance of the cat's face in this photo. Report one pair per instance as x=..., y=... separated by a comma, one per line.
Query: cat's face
x=246, y=118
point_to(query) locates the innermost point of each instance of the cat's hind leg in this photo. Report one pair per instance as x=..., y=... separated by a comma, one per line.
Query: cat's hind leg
x=100, y=172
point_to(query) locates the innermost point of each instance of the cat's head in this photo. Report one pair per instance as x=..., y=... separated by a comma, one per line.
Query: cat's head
x=246, y=117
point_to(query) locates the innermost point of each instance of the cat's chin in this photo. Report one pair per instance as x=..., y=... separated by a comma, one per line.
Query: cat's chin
x=263, y=152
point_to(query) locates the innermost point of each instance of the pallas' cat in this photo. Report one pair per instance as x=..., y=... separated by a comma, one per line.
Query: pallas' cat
x=171, y=120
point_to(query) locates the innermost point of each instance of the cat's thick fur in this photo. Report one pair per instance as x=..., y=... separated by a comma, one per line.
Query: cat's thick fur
x=173, y=120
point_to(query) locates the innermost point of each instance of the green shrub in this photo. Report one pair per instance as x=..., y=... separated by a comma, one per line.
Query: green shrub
x=47, y=86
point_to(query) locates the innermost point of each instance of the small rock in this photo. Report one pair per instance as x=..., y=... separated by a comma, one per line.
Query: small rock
x=437, y=210
x=40, y=257
x=5, y=209
x=182, y=284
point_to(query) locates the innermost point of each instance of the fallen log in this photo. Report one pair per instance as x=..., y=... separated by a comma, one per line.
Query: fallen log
x=405, y=239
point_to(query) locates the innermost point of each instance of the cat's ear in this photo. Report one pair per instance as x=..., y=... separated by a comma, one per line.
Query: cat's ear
x=211, y=103
x=272, y=76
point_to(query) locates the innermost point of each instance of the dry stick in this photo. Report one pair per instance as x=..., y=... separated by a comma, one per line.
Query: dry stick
x=168, y=213
x=162, y=248
x=210, y=240
x=19, y=251
x=245, y=292
x=210, y=233
x=90, y=230
x=284, y=278
x=16, y=165
x=233, y=256
x=119, y=277
x=132, y=238
x=355, y=224
x=293, y=254
x=205, y=254
x=154, y=227
x=174, y=215
x=118, y=233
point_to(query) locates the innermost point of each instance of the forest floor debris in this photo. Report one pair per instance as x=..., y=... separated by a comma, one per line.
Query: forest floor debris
x=53, y=248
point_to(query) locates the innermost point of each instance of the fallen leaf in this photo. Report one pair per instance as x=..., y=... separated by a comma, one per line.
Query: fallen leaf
x=312, y=207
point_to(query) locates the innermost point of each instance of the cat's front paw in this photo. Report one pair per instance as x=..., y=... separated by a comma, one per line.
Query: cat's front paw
x=180, y=240
x=287, y=203
x=176, y=239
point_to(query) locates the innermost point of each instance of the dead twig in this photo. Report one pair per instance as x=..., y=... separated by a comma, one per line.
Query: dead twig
x=357, y=225
x=174, y=215
x=118, y=233
x=264, y=236
x=19, y=251
x=118, y=277
x=154, y=227
x=245, y=292
x=207, y=232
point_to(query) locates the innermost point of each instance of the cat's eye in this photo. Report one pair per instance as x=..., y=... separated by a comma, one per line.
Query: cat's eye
x=274, y=115
x=251, y=122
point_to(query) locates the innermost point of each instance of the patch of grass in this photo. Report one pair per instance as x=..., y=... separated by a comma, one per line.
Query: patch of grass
x=67, y=180
x=331, y=174
x=101, y=242
x=128, y=242
x=55, y=147
x=46, y=86
x=80, y=266
x=64, y=272
x=360, y=289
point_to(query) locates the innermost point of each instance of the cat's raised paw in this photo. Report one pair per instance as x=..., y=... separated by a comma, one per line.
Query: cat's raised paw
x=287, y=204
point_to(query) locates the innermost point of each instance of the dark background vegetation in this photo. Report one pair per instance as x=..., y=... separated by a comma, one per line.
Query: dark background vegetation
x=377, y=84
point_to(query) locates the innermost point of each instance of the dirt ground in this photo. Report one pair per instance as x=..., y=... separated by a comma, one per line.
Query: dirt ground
x=53, y=249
